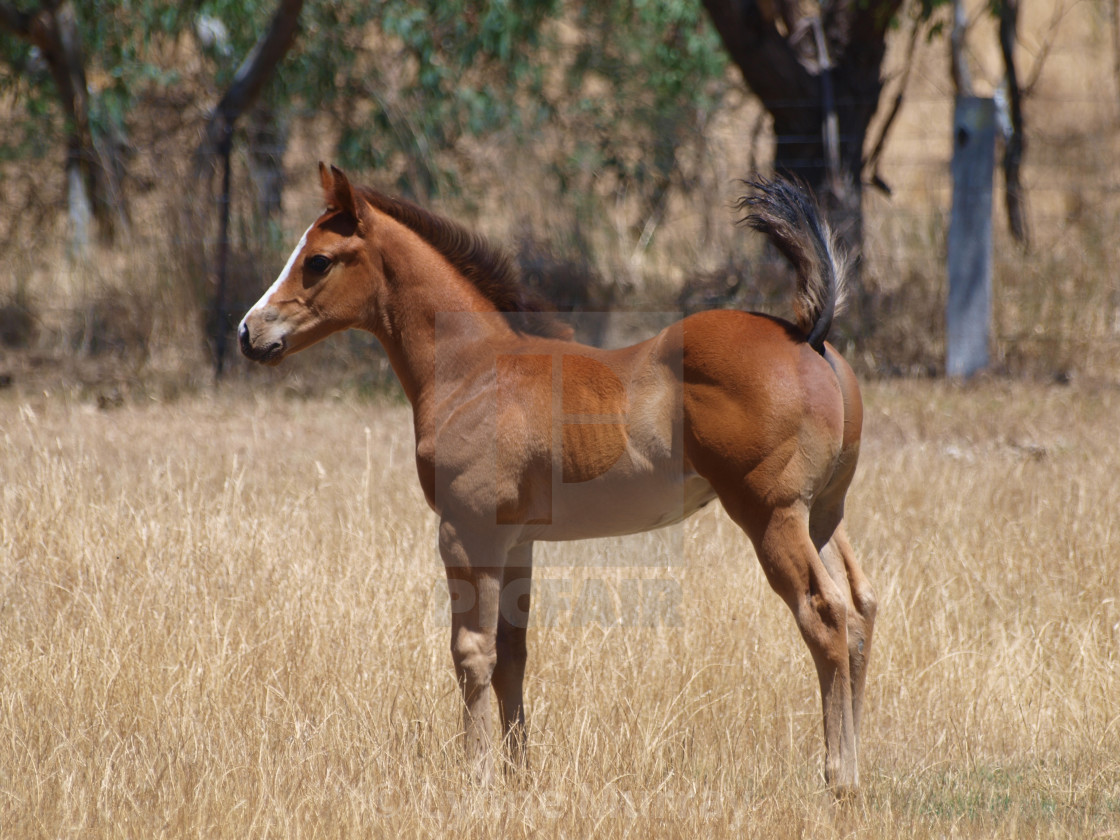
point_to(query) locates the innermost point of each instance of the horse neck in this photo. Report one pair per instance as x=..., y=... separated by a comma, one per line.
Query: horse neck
x=416, y=319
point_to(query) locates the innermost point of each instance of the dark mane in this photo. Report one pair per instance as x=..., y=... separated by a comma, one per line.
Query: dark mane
x=487, y=267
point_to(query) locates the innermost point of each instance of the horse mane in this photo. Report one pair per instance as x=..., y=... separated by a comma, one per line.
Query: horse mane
x=485, y=266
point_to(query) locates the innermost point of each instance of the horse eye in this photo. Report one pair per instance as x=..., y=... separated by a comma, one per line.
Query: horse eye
x=318, y=263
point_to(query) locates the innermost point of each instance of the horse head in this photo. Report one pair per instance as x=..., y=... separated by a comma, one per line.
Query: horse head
x=327, y=284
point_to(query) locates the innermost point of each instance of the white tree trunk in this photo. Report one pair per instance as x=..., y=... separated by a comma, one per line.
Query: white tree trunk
x=80, y=211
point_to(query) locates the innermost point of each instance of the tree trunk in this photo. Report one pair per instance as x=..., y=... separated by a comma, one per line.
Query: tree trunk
x=250, y=79
x=54, y=30
x=819, y=79
x=958, y=61
x=79, y=207
x=1015, y=142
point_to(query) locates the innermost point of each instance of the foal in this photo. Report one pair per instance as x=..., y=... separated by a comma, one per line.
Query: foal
x=760, y=413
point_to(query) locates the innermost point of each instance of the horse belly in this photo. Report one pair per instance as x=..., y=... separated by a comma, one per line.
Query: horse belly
x=611, y=507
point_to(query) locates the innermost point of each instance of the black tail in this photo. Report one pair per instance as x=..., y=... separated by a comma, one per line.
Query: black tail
x=790, y=217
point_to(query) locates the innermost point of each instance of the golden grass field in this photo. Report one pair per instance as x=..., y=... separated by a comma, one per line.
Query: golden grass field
x=220, y=618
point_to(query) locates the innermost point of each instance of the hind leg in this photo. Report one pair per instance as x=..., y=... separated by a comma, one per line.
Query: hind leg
x=840, y=560
x=797, y=573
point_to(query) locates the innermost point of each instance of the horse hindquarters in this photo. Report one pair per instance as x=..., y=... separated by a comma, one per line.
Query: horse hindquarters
x=770, y=433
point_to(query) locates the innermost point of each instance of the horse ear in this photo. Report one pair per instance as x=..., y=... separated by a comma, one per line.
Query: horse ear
x=345, y=198
x=327, y=180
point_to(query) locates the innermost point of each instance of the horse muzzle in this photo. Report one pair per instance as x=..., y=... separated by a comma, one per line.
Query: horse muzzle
x=263, y=351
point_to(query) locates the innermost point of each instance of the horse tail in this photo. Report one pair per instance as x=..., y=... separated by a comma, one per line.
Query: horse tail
x=787, y=213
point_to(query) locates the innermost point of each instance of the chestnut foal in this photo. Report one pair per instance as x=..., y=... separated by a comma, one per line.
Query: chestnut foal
x=758, y=412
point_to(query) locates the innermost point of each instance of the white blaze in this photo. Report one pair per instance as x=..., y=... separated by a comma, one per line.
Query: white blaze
x=263, y=302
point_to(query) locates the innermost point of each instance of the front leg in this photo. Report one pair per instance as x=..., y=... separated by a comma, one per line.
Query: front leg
x=509, y=670
x=474, y=591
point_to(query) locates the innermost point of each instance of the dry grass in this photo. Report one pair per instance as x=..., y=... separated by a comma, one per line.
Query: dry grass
x=220, y=618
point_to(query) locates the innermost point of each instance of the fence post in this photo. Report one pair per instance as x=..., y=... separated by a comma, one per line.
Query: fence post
x=969, y=310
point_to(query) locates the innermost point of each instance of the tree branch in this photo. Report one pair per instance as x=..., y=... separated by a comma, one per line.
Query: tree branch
x=1016, y=143
x=770, y=67
x=872, y=161
x=251, y=77
x=53, y=27
x=1043, y=51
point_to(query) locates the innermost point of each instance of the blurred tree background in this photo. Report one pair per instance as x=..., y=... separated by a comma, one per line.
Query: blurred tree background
x=600, y=141
x=399, y=84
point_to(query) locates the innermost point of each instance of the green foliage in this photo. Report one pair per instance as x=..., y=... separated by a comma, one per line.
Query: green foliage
x=401, y=82
x=409, y=79
x=937, y=15
x=24, y=77
x=116, y=40
x=648, y=73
